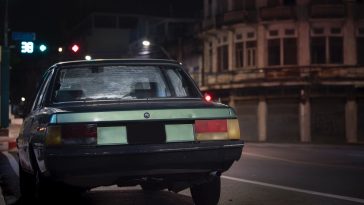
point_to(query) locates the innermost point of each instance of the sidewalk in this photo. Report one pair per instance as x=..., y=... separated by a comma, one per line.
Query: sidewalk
x=8, y=143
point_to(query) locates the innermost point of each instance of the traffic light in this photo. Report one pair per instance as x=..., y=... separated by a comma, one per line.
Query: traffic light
x=75, y=48
x=42, y=48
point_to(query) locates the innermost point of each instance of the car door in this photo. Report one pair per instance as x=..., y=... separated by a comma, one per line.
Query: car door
x=31, y=122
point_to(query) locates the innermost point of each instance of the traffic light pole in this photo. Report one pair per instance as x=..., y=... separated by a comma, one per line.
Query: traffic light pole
x=4, y=75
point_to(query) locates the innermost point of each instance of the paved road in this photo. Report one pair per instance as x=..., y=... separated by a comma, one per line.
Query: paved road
x=269, y=174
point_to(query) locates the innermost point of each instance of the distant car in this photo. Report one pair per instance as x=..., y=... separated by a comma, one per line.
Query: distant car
x=125, y=122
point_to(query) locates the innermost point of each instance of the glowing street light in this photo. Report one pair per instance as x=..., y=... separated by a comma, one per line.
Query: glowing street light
x=88, y=57
x=75, y=48
x=42, y=48
x=146, y=43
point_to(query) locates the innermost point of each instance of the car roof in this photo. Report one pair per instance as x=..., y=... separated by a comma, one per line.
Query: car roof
x=116, y=61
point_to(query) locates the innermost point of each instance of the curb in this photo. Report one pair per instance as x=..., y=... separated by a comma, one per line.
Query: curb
x=7, y=143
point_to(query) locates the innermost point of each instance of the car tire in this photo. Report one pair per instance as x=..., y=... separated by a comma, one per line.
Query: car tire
x=207, y=193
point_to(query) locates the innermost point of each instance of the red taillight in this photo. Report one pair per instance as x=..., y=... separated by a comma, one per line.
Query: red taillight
x=75, y=131
x=79, y=134
x=227, y=129
x=206, y=126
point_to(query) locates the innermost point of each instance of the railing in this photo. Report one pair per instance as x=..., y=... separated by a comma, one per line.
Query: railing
x=237, y=16
x=327, y=11
x=278, y=13
x=208, y=23
x=306, y=74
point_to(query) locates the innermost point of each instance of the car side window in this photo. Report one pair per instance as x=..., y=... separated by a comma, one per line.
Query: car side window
x=42, y=89
x=177, y=82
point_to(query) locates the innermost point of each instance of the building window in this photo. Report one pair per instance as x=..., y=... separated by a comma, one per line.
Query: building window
x=336, y=50
x=327, y=1
x=251, y=35
x=239, y=54
x=282, y=47
x=251, y=47
x=250, y=4
x=360, y=49
x=273, y=33
x=318, y=50
x=290, y=51
x=273, y=3
x=274, y=52
x=327, y=46
x=289, y=2
x=239, y=36
x=245, y=50
x=243, y=4
x=222, y=58
x=209, y=8
x=238, y=4
x=223, y=6
x=210, y=57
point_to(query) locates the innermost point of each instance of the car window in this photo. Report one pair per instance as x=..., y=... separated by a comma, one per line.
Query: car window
x=121, y=83
x=42, y=89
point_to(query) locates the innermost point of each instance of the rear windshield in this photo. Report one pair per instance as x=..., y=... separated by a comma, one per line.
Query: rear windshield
x=122, y=83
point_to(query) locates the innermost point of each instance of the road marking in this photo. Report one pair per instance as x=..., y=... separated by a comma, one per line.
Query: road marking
x=347, y=198
x=13, y=163
x=302, y=162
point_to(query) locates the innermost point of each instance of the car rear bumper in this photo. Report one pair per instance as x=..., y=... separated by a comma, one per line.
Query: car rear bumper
x=106, y=165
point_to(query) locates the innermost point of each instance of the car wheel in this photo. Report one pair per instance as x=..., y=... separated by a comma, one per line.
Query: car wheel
x=207, y=193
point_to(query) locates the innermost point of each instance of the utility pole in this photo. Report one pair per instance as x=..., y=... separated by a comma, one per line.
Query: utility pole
x=4, y=75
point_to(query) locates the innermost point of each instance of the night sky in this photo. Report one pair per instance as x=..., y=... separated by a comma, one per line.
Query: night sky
x=50, y=19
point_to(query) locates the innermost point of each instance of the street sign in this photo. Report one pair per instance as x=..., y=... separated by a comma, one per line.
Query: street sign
x=23, y=36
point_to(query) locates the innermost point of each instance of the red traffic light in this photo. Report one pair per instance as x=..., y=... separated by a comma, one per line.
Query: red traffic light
x=75, y=48
x=208, y=97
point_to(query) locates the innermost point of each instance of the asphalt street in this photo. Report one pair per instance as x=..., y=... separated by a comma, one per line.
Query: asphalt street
x=269, y=174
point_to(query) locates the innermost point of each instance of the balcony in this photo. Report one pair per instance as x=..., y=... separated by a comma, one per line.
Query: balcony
x=278, y=13
x=285, y=75
x=208, y=23
x=238, y=16
x=327, y=11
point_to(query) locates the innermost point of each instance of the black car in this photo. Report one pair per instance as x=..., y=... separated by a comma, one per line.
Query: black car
x=126, y=122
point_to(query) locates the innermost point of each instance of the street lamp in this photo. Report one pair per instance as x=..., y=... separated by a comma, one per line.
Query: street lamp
x=146, y=43
x=88, y=57
x=145, y=47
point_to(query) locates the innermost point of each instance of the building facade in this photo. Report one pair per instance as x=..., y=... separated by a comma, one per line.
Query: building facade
x=293, y=69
